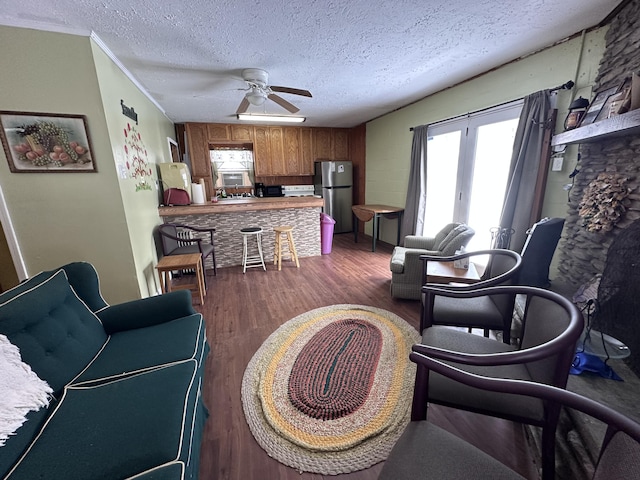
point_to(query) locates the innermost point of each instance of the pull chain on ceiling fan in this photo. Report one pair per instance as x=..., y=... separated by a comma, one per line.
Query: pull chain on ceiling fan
x=259, y=91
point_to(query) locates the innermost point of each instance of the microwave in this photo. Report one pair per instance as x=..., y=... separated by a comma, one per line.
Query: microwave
x=273, y=191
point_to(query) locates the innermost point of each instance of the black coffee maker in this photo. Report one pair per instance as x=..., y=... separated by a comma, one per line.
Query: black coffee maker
x=259, y=189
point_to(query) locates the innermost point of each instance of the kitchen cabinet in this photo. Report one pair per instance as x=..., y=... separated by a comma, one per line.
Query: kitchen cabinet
x=306, y=151
x=241, y=133
x=291, y=146
x=261, y=151
x=322, y=144
x=197, y=140
x=218, y=131
x=330, y=144
x=277, y=162
x=278, y=151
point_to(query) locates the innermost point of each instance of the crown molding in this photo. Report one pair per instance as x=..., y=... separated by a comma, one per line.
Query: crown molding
x=98, y=41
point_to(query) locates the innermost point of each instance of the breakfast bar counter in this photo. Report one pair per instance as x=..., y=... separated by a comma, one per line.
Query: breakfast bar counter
x=228, y=216
x=242, y=204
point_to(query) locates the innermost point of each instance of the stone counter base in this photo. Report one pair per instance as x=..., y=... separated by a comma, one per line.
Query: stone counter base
x=228, y=241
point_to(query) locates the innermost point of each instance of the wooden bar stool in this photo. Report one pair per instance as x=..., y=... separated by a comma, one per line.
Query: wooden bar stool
x=256, y=259
x=277, y=252
x=191, y=261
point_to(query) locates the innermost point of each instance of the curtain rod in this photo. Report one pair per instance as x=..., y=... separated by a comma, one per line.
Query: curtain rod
x=565, y=86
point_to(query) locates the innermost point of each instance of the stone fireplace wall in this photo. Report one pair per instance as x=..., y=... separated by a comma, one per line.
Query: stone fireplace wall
x=582, y=254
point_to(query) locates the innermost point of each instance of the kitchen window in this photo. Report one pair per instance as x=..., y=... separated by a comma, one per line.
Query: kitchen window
x=231, y=167
x=468, y=163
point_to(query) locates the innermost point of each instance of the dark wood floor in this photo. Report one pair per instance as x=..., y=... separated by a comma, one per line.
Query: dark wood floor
x=241, y=311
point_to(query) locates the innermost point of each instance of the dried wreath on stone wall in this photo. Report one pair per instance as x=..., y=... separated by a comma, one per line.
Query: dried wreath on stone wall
x=604, y=202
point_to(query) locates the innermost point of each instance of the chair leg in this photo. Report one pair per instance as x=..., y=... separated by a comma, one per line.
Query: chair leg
x=292, y=249
x=506, y=336
x=548, y=453
x=244, y=253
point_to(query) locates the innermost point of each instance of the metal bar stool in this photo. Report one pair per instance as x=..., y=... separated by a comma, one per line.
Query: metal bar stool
x=256, y=259
x=277, y=252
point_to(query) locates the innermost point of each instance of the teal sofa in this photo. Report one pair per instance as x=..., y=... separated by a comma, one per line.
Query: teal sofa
x=127, y=381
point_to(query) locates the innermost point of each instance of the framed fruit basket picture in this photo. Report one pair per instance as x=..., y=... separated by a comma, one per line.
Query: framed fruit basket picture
x=46, y=142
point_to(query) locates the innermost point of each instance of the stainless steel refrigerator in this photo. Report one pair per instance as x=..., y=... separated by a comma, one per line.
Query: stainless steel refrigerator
x=334, y=181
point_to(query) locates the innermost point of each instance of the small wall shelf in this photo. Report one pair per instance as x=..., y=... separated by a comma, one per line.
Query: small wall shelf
x=625, y=124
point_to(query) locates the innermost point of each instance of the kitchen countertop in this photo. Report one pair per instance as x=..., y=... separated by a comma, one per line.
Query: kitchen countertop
x=243, y=204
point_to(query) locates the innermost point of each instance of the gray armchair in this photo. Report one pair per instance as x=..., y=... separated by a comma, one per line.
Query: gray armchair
x=406, y=266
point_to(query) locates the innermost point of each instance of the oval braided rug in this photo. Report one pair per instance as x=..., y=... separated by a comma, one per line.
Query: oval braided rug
x=330, y=391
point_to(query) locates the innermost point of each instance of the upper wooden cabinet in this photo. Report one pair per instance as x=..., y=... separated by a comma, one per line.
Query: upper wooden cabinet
x=277, y=150
x=322, y=144
x=277, y=159
x=242, y=133
x=198, y=143
x=261, y=151
x=218, y=131
x=306, y=151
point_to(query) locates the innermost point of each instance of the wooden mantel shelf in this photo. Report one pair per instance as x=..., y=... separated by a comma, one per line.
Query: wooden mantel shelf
x=625, y=124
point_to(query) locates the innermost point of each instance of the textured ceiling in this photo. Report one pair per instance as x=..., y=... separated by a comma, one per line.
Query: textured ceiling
x=359, y=58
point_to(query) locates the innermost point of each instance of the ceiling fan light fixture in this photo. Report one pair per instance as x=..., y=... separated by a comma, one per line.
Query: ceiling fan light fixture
x=256, y=97
x=261, y=117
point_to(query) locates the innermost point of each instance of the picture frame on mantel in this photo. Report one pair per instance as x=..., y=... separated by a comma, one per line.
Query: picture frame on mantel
x=46, y=142
x=616, y=103
x=597, y=104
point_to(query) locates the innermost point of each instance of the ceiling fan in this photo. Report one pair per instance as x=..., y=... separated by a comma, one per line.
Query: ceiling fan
x=259, y=91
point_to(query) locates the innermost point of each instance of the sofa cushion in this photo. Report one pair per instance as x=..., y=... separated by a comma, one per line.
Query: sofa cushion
x=130, y=351
x=170, y=471
x=84, y=280
x=397, y=259
x=56, y=333
x=21, y=390
x=12, y=450
x=457, y=230
x=442, y=234
x=24, y=286
x=117, y=429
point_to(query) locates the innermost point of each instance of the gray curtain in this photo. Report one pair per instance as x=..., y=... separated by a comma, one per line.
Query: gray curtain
x=523, y=172
x=414, y=207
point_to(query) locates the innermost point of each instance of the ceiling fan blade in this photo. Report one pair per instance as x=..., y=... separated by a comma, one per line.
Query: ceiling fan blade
x=244, y=106
x=293, y=91
x=283, y=103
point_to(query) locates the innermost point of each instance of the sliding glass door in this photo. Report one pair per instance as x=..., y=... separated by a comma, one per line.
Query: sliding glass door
x=467, y=167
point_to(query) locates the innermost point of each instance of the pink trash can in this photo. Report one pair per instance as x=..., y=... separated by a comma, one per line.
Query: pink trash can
x=326, y=233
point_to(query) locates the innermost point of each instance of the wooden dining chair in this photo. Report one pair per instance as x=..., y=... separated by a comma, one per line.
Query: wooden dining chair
x=551, y=327
x=426, y=451
x=484, y=312
x=179, y=239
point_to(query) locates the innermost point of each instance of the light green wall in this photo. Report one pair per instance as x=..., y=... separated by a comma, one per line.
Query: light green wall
x=389, y=139
x=140, y=205
x=65, y=217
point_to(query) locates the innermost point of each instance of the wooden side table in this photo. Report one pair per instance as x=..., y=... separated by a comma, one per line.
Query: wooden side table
x=445, y=272
x=365, y=213
x=192, y=261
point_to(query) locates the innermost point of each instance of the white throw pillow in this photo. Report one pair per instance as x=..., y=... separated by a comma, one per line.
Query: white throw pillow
x=21, y=390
